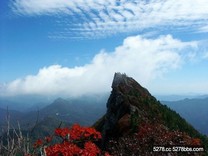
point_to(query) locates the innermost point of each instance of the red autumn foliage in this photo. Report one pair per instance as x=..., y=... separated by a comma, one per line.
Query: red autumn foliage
x=196, y=142
x=148, y=136
x=76, y=140
x=48, y=139
x=81, y=141
x=76, y=132
x=64, y=149
x=38, y=143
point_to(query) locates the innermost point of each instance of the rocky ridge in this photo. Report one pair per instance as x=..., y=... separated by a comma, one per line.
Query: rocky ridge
x=132, y=112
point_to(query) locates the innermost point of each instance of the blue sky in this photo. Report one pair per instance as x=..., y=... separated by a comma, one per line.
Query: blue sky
x=55, y=47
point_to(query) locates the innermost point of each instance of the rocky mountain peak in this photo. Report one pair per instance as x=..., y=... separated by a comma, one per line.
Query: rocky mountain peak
x=126, y=100
x=119, y=79
x=131, y=108
x=128, y=85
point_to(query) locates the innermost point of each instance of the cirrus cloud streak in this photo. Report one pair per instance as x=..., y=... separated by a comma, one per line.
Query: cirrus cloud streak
x=100, y=18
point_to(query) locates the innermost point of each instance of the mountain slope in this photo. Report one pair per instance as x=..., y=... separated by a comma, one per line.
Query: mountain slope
x=74, y=111
x=12, y=114
x=131, y=107
x=84, y=110
x=11, y=105
x=193, y=110
x=24, y=103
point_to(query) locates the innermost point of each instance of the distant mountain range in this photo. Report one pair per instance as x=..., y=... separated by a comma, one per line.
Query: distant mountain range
x=19, y=104
x=85, y=111
x=75, y=110
x=195, y=111
x=13, y=115
x=180, y=97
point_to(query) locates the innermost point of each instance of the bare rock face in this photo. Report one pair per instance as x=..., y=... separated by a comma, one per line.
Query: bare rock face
x=121, y=109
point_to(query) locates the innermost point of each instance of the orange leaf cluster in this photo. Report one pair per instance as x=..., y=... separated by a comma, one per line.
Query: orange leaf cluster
x=76, y=140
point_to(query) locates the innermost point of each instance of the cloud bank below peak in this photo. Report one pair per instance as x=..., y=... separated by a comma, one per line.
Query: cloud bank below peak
x=142, y=58
x=107, y=17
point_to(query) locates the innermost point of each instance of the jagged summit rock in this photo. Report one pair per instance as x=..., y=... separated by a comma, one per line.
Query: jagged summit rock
x=118, y=79
x=124, y=101
x=131, y=107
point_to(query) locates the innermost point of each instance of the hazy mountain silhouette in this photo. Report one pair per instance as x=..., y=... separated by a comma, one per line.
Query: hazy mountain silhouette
x=195, y=111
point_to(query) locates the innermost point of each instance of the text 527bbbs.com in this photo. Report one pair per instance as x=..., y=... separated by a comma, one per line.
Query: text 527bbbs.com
x=177, y=149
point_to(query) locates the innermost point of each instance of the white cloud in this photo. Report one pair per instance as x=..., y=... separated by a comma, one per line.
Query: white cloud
x=203, y=29
x=142, y=58
x=107, y=17
x=205, y=56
